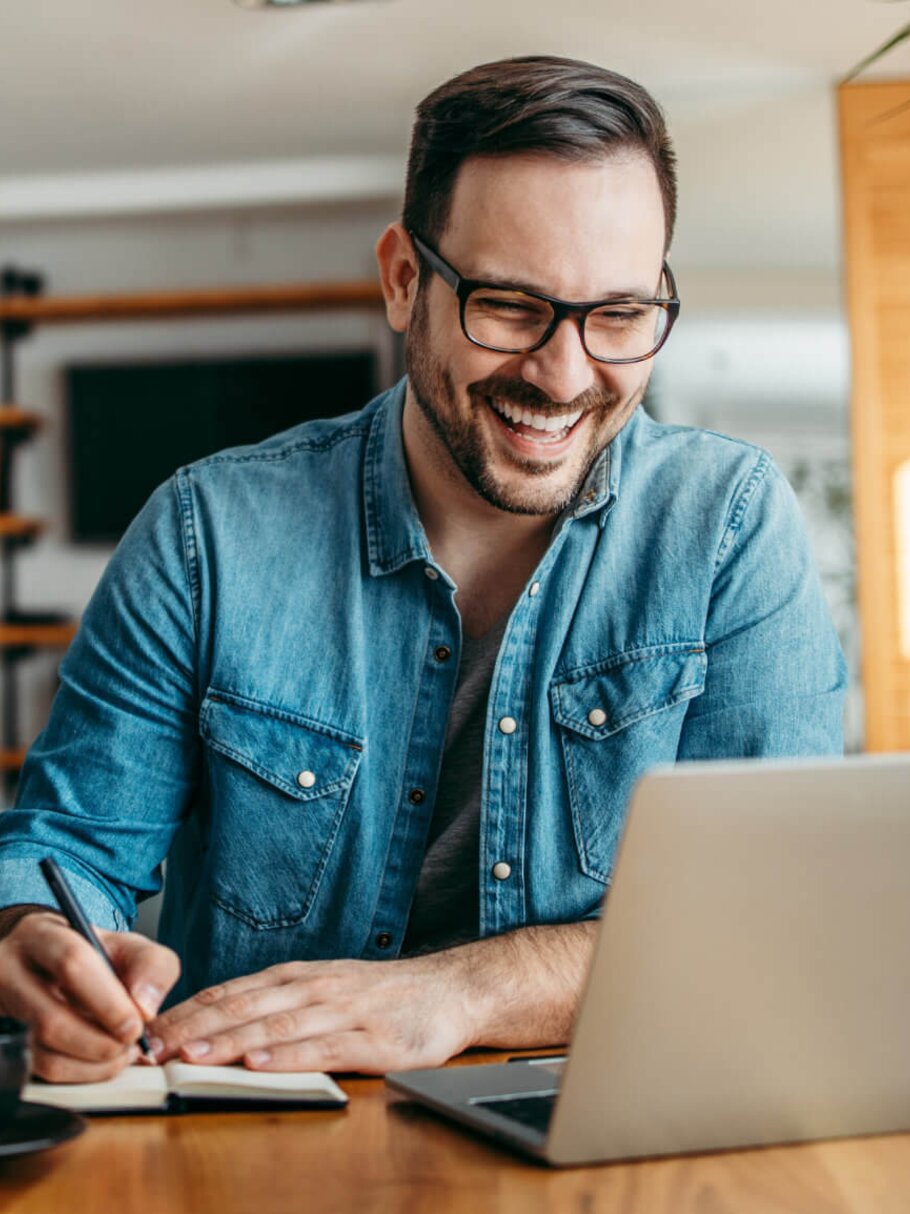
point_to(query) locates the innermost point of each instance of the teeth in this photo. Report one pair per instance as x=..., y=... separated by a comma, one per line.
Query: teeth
x=538, y=421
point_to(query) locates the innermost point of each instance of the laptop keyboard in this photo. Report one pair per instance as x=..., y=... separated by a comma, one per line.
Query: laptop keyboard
x=532, y=1111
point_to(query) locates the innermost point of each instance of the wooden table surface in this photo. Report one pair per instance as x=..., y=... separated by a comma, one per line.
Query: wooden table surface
x=384, y=1154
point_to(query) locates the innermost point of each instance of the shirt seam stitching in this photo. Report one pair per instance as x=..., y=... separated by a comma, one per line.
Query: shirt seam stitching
x=326, y=444
x=740, y=506
x=190, y=549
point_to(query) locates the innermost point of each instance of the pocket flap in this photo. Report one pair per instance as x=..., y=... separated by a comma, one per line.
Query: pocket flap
x=303, y=758
x=599, y=700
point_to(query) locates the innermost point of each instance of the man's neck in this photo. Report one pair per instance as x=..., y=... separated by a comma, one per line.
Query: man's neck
x=488, y=553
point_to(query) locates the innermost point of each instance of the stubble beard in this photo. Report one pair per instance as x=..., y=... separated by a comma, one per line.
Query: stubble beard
x=435, y=395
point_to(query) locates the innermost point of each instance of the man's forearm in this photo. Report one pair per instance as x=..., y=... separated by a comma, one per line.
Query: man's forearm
x=523, y=988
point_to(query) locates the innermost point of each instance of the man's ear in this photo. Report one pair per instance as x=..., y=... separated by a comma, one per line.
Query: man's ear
x=398, y=273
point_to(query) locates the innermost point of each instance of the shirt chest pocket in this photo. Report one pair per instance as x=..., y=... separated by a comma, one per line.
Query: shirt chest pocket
x=279, y=787
x=616, y=719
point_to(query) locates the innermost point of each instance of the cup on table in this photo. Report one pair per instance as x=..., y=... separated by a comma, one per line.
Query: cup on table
x=15, y=1065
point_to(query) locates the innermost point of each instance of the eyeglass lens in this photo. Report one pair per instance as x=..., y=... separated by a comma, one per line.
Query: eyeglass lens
x=512, y=321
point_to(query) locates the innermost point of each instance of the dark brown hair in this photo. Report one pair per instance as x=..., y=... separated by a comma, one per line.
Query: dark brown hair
x=539, y=103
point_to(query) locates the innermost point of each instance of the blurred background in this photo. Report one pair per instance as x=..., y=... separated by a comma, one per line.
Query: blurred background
x=198, y=144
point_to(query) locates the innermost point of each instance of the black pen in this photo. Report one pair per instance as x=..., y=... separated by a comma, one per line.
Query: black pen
x=75, y=917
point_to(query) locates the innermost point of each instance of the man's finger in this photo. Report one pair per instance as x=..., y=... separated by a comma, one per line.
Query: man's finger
x=82, y=976
x=354, y=1050
x=274, y=976
x=147, y=969
x=56, y=1025
x=235, y=1009
x=217, y=1007
x=279, y=1020
x=60, y=1068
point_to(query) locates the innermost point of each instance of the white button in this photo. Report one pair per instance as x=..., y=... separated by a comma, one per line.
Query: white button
x=306, y=779
x=431, y=573
x=597, y=716
x=535, y=590
x=502, y=870
x=508, y=725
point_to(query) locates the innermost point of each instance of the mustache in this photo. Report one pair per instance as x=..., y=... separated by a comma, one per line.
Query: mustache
x=527, y=396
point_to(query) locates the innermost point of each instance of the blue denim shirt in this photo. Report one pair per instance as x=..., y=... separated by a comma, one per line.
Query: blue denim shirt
x=256, y=694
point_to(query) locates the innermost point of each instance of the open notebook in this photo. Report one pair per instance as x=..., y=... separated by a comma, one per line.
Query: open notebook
x=178, y=1086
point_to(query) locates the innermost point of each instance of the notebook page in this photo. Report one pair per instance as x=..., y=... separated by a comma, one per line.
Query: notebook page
x=136, y=1087
x=188, y=1079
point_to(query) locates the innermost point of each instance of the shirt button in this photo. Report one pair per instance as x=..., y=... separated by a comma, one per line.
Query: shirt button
x=306, y=779
x=383, y=939
x=442, y=653
x=534, y=591
x=597, y=716
x=502, y=870
x=431, y=573
x=508, y=725
x=416, y=796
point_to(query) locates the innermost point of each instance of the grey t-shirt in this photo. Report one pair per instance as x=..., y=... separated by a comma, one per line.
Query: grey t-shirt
x=445, y=910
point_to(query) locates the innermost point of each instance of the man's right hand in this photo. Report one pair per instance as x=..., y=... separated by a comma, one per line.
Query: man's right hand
x=84, y=1023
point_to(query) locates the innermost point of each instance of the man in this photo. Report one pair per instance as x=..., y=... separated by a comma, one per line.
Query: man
x=380, y=687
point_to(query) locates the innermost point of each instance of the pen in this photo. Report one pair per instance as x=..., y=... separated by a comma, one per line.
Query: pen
x=75, y=917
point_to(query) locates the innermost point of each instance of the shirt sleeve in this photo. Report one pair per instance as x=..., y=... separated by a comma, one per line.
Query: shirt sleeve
x=106, y=785
x=775, y=679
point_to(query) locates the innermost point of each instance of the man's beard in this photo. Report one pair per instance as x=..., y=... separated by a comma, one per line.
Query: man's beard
x=435, y=394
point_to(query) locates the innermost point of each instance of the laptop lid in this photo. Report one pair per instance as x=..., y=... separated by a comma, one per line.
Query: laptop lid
x=751, y=979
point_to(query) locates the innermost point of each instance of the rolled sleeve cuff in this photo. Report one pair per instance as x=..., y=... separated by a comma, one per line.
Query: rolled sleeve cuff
x=21, y=882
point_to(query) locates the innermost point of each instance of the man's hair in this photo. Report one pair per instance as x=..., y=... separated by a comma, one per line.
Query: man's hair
x=538, y=103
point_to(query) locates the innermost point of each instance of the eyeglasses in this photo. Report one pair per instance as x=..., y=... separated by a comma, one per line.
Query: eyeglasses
x=511, y=321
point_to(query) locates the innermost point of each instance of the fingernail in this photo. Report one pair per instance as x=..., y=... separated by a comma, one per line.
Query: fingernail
x=148, y=997
x=197, y=1049
x=259, y=1057
x=130, y=1029
x=134, y=1052
x=156, y=1046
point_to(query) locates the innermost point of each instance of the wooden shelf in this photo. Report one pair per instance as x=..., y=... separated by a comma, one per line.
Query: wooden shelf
x=17, y=421
x=12, y=760
x=152, y=305
x=17, y=530
x=37, y=636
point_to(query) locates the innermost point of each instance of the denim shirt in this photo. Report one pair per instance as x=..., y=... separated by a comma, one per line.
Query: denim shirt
x=259, y=690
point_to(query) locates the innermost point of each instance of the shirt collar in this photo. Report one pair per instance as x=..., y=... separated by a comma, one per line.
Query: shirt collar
x=395, y=534
x=601, y=487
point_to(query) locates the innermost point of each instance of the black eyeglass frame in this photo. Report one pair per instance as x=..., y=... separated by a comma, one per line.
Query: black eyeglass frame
x=562, y=309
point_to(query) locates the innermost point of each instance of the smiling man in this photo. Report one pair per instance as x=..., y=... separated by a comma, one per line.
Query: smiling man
x=379, y=688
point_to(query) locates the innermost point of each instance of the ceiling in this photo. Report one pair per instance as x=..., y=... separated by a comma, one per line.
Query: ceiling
x=133, y=104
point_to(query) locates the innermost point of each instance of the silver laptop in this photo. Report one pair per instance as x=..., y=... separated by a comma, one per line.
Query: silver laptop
x=751, y=978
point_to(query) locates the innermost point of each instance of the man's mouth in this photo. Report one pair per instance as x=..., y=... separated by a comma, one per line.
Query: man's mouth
x=540, y=428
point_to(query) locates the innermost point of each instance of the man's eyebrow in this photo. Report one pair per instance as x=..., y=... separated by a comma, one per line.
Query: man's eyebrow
x=521, y=284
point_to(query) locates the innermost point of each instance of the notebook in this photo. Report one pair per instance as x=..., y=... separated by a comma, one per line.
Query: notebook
x=750, y=983
x=176, y=1087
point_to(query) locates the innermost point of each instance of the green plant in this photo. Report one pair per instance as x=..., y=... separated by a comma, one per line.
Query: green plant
x=895, y=40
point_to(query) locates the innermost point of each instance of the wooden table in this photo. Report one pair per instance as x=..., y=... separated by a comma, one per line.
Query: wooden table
x=384, y=1154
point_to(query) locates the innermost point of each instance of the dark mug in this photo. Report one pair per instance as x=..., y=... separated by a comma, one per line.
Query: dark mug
x=15, y=1065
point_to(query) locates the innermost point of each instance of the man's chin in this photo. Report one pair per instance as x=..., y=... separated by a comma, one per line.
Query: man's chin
x=530, y=495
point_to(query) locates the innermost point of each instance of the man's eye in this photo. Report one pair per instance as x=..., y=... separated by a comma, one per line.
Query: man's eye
x=619, y=316
x=506, y=307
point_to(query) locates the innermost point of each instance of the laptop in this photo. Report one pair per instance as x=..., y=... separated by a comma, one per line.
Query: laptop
x=750, y=983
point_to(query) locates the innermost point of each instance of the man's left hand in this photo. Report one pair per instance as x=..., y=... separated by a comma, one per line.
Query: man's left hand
x=364, y=1016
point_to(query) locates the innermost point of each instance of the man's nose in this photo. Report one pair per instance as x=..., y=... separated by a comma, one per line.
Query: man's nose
x=561, y=368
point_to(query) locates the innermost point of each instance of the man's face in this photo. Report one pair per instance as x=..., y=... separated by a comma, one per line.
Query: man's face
x=574, y=231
